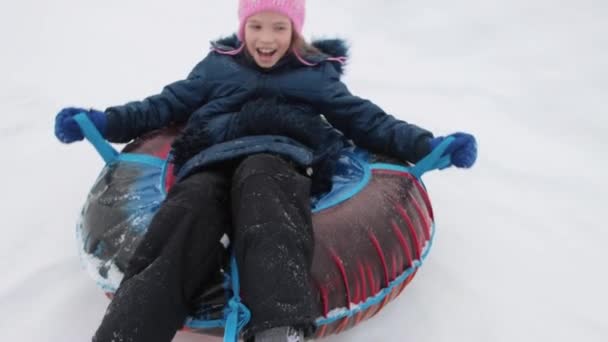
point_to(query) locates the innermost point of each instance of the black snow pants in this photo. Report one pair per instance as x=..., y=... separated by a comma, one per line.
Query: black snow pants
x=262, y=204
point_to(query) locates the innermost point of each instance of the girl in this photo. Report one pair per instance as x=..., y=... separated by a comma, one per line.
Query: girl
x=253, y=138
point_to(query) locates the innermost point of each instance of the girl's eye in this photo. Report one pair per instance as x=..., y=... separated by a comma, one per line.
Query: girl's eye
x=280, y=28
x=255, y=27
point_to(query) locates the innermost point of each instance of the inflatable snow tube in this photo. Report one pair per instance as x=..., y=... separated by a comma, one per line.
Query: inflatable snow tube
x=372, y=231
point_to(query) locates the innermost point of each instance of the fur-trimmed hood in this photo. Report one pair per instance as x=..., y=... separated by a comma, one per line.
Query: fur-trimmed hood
x=335, y=50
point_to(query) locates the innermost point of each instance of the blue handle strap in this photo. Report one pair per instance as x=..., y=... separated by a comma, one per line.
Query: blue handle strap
x=434, y=160
x=105, y=150
x=238, y=315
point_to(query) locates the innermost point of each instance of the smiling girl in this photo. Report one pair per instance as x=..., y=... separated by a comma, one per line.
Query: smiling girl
x=253, y=134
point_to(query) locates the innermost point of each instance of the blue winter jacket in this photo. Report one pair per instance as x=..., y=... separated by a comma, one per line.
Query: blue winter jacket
x=220, y=85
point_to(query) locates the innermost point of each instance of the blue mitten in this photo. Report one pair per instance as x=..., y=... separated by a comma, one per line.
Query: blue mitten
x=462, y=151
x=67, y=129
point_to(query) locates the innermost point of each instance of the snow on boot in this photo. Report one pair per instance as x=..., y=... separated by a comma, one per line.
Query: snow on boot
x=280, y=334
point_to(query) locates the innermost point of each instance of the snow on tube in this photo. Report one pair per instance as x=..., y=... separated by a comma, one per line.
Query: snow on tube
x=372, y=231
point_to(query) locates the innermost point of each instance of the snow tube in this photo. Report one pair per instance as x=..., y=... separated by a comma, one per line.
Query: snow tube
x=372, y=231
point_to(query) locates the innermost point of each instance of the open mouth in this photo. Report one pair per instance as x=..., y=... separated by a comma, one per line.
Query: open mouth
x=266, y=53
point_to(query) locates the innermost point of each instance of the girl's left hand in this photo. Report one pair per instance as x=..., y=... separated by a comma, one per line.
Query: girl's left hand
x=462, y=151
x=66, y=128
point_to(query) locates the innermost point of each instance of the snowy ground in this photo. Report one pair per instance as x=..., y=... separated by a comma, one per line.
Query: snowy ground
x=520, y=251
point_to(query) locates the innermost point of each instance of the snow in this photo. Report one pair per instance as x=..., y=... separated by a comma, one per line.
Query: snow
x=520, y=247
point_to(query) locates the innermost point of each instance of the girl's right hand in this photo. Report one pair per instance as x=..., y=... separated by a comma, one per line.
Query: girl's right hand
x=462, y=151
x=67, y=129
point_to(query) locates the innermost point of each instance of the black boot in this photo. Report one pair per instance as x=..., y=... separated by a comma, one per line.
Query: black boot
x=280, y=334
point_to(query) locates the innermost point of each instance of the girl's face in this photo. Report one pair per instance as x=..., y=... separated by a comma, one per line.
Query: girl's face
x=268, y=37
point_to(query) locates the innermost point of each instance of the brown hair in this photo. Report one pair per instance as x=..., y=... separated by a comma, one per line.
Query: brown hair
x=301, y=46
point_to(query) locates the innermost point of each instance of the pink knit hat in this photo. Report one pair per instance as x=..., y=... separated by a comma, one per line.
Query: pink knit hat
x=293, y=9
